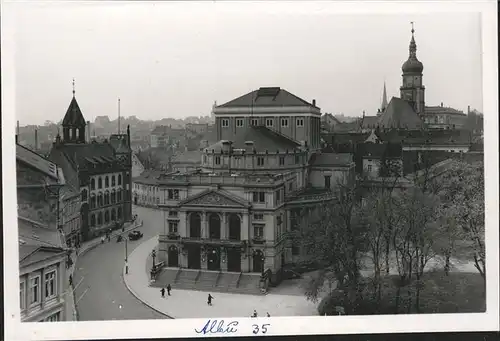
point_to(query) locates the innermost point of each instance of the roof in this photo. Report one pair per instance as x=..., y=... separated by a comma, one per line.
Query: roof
x=331, y=117
x=74, y=116
x=331, y=159
x=369, y=121
x=119, y=142
x=347, y=126
x=37, y=161
x=433, y=110
x=378, y=150
x=187, y=157
x=212, y=197
x=463, y=138
x=399, y=114
x=263, y=139
x=267, y=97
x=150, y=177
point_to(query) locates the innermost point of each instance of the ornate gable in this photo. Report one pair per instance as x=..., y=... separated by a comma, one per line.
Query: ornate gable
x=213, y=198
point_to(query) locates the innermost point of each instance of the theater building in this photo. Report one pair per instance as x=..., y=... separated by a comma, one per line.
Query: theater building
x=229, y=221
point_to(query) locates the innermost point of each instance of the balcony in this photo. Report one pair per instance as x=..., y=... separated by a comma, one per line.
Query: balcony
x=173, y=236
x=258, y=240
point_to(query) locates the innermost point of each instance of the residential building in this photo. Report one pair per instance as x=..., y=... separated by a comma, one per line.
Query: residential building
x=101, y=172
x=198, y=128
x=70, y=214
x=232, y=216
x=329, y=122
x=440, y=117
x=137, y=166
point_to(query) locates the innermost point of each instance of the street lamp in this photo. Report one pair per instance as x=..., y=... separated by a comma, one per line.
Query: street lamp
x=126, y=256
x=153, y=254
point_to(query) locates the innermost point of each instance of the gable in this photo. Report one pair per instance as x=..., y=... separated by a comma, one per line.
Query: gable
x=215, y=198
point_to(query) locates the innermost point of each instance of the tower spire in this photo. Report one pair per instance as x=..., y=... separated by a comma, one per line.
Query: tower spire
x=413, y=45
x=73, y=87
x=384, y=100
x=119, y=116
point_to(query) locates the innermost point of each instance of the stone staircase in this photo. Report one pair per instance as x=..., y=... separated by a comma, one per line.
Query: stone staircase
x=211, y=281
x=207, y=280
x=187, y=279
x=227, y=281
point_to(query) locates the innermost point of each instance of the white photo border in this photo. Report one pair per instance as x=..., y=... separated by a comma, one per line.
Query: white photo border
x=315, y=325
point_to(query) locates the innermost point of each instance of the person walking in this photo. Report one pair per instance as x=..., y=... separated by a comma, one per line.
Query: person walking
x=209, y=301
x=169, y=288
x=254, y=313
x=162, y=292
x=268, y=315
x=70, y=280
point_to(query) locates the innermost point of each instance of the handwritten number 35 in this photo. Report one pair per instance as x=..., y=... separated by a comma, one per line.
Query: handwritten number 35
x=263, y=328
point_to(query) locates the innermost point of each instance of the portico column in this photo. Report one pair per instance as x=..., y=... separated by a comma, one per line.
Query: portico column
x=245, y=228
x=224, y=256
x=204, y=225
x=224, y=226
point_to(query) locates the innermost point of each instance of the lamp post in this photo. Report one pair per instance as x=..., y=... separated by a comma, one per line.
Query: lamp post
x=153, y=254
x=126, y=256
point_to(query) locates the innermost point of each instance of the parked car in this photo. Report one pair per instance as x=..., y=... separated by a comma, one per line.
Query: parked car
x=134, y=235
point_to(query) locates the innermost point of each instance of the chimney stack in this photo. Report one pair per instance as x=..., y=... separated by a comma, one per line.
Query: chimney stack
x=468, y=109
x=314, y=103
x=88, y=131
x=36, y=139
x=441, y=104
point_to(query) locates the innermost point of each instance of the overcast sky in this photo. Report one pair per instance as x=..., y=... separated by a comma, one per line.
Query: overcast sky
x=175, y=60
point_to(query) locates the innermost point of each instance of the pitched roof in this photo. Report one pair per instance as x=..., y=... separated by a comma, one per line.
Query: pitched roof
x=119, y=142
x=267, y=97
x=369, y=121
x=74, y=116
x=376, y=150
x=37, y=161
x=331, y=159
x=187, y=157
x=36, y=234
x=263, y=139
x=430, y=110
x=399, y=114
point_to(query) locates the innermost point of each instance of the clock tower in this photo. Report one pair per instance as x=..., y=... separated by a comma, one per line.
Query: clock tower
x=412, y=90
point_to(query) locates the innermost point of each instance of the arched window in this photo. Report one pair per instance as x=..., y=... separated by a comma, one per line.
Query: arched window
x=92, y=184
x=99, y=199
x=119, y=179
x=106, y=217
x=113, y=214
x=84, y=194
x=119, y=214
x=99, y=218
x=106, y=198
x=92, y=201
x=92, y=220
x=119, y=195
x=113, y=196
x=106, y=181
x=99, y=183
x=113, y=182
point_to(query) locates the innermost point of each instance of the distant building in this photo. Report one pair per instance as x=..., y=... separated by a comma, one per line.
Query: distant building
x=164, y=136
x=198, y=128
x=440, y=117
x=137, y=166
x=99, y=172
x=329, y=122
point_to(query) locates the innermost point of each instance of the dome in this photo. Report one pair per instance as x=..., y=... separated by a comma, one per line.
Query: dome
x=412, y=65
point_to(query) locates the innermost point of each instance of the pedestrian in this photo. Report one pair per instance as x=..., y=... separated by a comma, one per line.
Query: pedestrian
x=102, y=240
x=162, y=292
x=268, y=315
x=70, y=280
x=168, y=289
x=254, y=313
x=209, y=301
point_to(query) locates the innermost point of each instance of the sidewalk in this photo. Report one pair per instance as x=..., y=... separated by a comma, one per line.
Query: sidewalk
x=84, y=248
x=193, y=304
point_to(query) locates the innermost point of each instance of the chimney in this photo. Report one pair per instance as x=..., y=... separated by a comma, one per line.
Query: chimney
x=441, y=104
x=314, y=103
x=16, y=139
x=36, y=139
x=468, y=109
x=88, y=131
x=17, y=127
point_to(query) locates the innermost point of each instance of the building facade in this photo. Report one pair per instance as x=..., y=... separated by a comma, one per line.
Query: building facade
x=69, y=215
x=232, y=214
x=100, y=172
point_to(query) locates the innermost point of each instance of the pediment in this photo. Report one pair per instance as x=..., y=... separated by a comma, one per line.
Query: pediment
x=215, y=198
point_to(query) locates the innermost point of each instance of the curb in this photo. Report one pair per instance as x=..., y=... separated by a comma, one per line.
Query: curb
x=137, y=296
x=91, y=247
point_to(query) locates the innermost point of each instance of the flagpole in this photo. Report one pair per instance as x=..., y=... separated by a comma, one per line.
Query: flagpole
x=119, y=131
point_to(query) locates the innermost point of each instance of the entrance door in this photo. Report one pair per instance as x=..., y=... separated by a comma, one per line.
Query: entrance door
x=173, y=257
x=194, y=257
x=213, y=259
x=258, y=261
x=234, y=260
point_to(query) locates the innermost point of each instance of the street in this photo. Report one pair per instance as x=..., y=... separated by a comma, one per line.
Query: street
x=101, y=293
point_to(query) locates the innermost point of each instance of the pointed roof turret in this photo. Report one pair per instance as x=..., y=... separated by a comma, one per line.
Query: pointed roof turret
x=412, y=65
x=384, y=100
x=74, y=116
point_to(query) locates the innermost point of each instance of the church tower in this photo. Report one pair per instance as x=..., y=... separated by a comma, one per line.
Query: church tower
x=73, y=123
x=412, y=89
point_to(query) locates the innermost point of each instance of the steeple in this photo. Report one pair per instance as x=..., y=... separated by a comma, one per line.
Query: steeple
x=384, y=100
x=73, y=122
x=412, y=65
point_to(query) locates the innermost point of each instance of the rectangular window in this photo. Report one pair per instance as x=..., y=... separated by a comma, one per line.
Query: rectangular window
x=217, y=160
x=172, y=213
x=258, y=216
x=225, y=123
x=269, y=122
x=295, y=251
x=258, y=231
x=282, y=160
x=254, y=122
x=260, y=161
x=327, y=181
x=284, y=122
x=50, y=284
x=35, y=290
x=259, y=197
x=239, y=122
x=278, y=196
x=53, y=318
x=170, y=194
x=297, y=159
x=300, y=122
x=262, y=197
x=22, y=295
x=369, y=168
x=172, y=227
x=176, y=194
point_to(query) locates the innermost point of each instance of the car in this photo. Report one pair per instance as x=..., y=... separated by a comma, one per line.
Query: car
x=135, y=235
